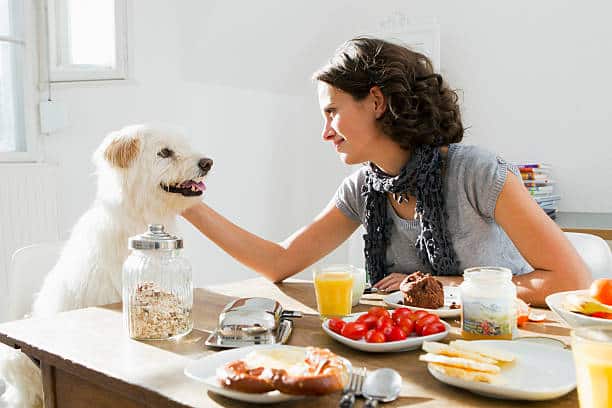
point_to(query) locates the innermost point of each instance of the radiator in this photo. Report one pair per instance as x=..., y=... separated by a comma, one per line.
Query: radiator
x=28, y=211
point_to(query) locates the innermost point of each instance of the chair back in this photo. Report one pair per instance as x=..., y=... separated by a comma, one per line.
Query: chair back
x=595, y=253
x=28, y=268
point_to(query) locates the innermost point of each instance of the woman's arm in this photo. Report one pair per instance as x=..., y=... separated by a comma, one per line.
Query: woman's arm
x=558, y=267
x=275, y=261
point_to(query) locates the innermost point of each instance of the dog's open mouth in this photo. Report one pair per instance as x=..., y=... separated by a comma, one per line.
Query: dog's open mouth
x=187, y=188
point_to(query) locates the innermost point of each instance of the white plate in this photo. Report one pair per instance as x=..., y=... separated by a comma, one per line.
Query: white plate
x=204, y=370
x=573, y=319
x=451, y=294
x=540, y=372
x=411, y=343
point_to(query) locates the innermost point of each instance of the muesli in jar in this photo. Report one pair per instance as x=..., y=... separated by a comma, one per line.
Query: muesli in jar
x=157, y=314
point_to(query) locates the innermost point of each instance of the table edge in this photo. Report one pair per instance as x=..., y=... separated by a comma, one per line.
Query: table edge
x=112, y=384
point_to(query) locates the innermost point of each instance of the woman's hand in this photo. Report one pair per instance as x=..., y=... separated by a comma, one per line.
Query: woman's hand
x=390, y=282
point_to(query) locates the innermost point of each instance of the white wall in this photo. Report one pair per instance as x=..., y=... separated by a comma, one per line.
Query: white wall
x=535, y=80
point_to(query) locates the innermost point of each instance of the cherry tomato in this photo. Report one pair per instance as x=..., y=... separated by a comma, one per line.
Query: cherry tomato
x=401, y=312
x=354, y=330
x=601, y=290
x=378, y=311
x=383, y=322
x=374, y=336
x=406, y=324
x=395, y=334
x=433, y=328
x=368, y=319
x=386, y=330
x=417, y=315
x=424, y=321
x=602, y=315
x=336, y=325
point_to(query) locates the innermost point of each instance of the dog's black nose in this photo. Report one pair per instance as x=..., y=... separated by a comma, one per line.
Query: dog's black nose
x=205, y=164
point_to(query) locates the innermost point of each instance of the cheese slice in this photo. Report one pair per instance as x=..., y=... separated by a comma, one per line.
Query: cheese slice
x=462, y=373
x=485, y=351
x=460, y=363
x=445, y=350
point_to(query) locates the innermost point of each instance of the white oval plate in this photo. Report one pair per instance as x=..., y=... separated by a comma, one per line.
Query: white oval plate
x=451, y=294
x=556, y=303
x=411, y=343
x=540, y=372
x=204, y=370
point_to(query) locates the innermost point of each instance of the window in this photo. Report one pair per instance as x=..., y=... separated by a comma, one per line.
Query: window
x=17, y=130
x=84, y=40
x=87, y=40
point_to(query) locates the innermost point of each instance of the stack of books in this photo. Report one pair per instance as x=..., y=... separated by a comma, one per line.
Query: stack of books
x=536, y=177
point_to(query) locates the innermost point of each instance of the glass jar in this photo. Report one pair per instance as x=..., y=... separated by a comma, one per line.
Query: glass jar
x=157, y=287
x=488, y=309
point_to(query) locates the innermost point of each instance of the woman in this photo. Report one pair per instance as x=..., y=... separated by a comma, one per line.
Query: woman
x=427, y=203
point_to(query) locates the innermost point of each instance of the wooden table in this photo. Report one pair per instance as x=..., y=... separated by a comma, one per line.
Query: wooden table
x=88, y=361
x=599, y=224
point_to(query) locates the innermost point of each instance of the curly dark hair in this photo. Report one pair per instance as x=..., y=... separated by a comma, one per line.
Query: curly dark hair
x=421, y=108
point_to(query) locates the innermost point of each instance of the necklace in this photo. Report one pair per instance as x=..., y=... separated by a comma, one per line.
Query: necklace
x=400, y=197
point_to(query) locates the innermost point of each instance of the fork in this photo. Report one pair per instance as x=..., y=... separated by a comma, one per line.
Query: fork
x=354, y=388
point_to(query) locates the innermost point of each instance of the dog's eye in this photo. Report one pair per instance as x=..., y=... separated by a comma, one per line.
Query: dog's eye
x=165, y=152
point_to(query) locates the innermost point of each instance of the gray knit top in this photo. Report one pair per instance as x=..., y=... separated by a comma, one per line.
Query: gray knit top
x=473, y=180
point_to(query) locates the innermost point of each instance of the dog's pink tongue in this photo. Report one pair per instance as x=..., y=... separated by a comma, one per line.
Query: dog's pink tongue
x=199, y=185
x=190, y=183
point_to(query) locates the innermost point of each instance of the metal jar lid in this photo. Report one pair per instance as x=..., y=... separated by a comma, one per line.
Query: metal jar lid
x=155, y=238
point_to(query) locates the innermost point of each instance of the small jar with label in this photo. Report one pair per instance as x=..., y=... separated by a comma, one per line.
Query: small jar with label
x=488, y=309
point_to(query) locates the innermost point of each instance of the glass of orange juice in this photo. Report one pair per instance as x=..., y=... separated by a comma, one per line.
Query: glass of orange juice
x=334, y=289
x=592, y=348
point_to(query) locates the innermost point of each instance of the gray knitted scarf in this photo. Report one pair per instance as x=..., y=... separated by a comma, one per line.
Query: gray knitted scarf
x=422, y=178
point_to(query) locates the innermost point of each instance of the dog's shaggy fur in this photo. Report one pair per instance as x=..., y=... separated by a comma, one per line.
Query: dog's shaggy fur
x=146, y=175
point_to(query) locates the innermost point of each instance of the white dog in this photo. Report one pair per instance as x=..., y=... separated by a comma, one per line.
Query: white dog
x=146, y=175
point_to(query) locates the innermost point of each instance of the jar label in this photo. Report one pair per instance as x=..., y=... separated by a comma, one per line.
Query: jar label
x=493, y=318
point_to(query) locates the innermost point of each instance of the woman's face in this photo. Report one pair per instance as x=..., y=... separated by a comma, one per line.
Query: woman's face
x=349, y=124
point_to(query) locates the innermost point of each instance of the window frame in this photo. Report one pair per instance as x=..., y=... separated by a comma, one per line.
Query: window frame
x=30, y=94
x=82, y=73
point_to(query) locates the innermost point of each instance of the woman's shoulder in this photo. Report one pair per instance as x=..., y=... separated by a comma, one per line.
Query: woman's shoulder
x=480, y=174
x=357, y=176
x=470, y=154
x=349, y=197
x=474, y=160
x=351, y=186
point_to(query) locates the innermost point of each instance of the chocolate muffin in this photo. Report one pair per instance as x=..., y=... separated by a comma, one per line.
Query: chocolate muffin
x=422, y=290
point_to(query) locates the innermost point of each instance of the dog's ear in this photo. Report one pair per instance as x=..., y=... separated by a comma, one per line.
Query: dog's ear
x=122, y=151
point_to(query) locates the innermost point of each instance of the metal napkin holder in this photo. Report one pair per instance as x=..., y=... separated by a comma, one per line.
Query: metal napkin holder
x=250, y=321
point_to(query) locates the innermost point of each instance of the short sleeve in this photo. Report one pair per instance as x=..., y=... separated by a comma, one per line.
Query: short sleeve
x=348, y=197
x=484, y=175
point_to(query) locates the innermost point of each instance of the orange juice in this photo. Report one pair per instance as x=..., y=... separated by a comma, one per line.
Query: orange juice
x=592, y=350
x=334, y=292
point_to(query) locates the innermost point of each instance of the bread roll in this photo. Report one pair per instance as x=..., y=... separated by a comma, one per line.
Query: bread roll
x=310, y=371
